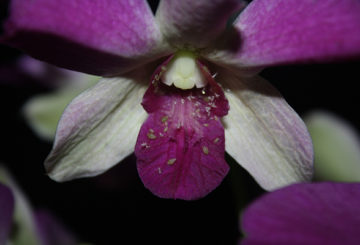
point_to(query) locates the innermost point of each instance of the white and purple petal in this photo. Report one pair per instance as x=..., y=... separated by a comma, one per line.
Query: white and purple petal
x=98, y=37
x=264, y=134
x=311, y=214
x=97, y=129
x=194, y=24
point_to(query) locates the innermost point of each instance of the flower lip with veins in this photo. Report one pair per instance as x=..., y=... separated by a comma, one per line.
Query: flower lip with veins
x=180, y=148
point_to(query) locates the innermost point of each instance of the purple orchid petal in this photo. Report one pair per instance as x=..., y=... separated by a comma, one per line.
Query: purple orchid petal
x=264, y=134
x=181, y=146
x=290, y=31
x=97, y=129
x=98, y=37
x=189, y=23
x=311, y=214
x=51, y=231
x=6, y=212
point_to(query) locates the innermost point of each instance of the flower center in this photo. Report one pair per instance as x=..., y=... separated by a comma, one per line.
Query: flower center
x=183, y=72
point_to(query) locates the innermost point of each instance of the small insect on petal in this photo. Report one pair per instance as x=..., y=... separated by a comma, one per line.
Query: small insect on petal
x=151, y=134
x=171, y=161
x=164, y=119
x=205, y=150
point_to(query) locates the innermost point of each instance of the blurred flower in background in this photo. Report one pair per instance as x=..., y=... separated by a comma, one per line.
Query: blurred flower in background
x=6, y=212
x=21, y=225
x=43, y=111
x=23, y=71
x=336, y=147
x=305, y=214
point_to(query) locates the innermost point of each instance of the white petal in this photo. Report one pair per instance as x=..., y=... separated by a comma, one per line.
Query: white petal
x=97, y=130
x=264, y=134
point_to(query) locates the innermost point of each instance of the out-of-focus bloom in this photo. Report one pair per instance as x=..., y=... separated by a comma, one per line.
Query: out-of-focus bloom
x=20, y=225
x=305, y=214
x=336, y=145
x=43, y=111
x=25, y=72
x=180, y=147
x=6, y=212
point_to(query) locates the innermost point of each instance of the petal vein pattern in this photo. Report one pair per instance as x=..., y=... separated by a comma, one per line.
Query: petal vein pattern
x=97, y=129
x=265, y=135
x=181, y=146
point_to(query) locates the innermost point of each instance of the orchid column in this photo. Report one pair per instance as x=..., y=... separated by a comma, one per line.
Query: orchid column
x=197, y=70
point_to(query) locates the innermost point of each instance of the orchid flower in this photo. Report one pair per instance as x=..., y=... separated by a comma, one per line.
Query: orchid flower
x=21, y=225
x=203, y=80
x=311, y=214
x=336, y=147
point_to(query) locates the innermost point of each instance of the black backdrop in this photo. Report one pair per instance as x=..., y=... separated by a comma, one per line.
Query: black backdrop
x=115, y=208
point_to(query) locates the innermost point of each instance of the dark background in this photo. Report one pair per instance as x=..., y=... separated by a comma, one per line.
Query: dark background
x=115, y=208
